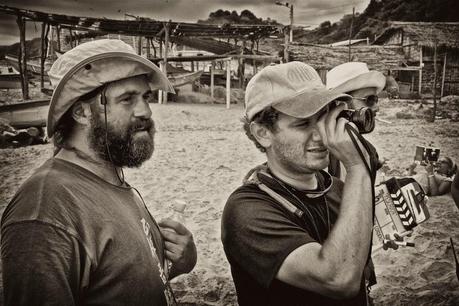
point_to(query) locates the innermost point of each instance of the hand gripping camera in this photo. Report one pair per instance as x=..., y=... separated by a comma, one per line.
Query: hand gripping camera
x=363, y=118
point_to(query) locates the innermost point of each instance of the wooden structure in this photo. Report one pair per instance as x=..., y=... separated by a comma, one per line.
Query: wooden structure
x=431, y=53
x=324, y=57
x=163, y=31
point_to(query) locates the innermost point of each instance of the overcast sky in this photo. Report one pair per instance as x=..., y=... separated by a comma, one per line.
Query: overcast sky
x=306, y=12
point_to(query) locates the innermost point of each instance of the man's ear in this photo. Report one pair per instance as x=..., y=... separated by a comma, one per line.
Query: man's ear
x=81, y=113
x=261, y=133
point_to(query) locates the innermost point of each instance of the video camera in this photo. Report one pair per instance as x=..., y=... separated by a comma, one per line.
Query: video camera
x=426, y=154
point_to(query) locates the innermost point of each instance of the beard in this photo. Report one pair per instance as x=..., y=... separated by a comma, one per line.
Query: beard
x=122, y=148
x=296, y=159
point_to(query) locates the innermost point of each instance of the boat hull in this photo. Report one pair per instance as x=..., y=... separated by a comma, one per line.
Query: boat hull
x=26, y=114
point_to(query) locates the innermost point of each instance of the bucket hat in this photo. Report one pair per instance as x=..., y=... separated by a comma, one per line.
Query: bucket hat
x=91, y=65
x=293, y=88
x=354, y=75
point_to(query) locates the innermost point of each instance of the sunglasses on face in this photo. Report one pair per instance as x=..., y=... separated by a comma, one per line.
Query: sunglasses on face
x=370, y=101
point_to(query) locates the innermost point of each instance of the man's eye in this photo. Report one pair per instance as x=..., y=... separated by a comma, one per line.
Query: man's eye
x=127, y=100
x=148, y=97
x=304, y=124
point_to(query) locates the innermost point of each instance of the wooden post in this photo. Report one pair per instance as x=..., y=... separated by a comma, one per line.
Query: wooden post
x=50, y=51
x=434, y=112
x=148, y=47
x=166, y=50
x=58, y=33
x=160, y=47
x=42, y=56
x=153, y=46
x=22, y=61
x=139, y=45
x=212, y=71
x=420, y=70
x=286, y=39
x=241, y=71
x=350, y=33
x=443, y=76
x=228, y=83
x=71, y=38
x=160, y=92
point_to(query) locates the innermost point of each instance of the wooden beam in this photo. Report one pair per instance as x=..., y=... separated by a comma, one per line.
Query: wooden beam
x=22, y=58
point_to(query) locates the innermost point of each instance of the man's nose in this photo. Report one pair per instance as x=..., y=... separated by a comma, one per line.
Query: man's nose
x=142, y=109
x=315, y=133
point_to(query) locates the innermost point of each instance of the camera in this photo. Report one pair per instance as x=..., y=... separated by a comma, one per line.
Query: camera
x=363, y=118
x=426, y=154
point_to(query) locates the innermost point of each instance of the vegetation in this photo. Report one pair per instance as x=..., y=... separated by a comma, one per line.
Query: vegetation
x=246, y=17
x=376, y=16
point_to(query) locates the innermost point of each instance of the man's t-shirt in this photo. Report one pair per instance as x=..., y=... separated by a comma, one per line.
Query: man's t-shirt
x=71, y=238
x=258, y=234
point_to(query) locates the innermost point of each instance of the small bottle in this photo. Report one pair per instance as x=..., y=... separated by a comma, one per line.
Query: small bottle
x=178, y=209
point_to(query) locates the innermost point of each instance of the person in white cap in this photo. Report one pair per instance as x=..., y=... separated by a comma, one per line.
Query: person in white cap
x=293, y=234
x=355, y=79
x=76, y=233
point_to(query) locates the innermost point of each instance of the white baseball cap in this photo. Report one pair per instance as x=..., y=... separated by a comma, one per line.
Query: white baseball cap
x=293, y=88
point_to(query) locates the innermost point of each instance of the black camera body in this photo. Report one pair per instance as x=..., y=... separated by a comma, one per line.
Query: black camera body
x=426, y=154
x=363, y=118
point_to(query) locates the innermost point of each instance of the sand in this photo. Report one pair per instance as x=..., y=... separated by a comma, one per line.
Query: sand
x=201, y=156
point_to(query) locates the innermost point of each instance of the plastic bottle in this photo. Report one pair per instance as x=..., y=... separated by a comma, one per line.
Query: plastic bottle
x=178, y=209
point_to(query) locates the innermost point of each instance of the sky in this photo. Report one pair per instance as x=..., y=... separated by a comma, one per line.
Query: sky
x=307, y=13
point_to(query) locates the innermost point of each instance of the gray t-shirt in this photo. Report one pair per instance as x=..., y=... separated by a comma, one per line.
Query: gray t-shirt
x=71, y=238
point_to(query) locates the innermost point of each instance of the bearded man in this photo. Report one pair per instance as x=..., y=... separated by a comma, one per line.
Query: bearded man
x=76, y=233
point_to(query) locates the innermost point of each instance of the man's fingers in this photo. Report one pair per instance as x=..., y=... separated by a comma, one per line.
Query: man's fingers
x=176, y=226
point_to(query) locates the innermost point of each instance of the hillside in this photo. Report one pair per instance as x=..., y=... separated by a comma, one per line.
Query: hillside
x=32, y=47
x=374, y=19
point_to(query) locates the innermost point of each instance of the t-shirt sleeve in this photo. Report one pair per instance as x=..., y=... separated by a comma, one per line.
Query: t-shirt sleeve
x=41, y=265
x=257, y=235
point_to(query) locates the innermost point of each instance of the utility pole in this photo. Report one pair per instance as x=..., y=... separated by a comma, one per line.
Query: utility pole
x=286, y=4
x=350, y=33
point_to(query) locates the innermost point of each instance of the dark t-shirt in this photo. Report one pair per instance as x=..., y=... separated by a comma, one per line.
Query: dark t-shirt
x=258, y=234
x=70, y=238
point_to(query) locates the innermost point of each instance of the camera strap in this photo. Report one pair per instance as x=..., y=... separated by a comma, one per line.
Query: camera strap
x=371, y=167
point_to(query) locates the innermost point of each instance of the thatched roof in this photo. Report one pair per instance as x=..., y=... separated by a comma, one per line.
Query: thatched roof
x=445, y=34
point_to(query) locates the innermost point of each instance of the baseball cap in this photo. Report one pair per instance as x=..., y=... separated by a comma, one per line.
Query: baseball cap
x=293, y=88
x=354, y=75
x=91, y=65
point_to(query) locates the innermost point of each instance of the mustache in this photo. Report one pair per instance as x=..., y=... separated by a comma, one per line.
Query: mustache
x=143, y=125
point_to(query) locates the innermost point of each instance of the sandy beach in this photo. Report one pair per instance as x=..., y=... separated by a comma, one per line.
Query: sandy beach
x=202, y=155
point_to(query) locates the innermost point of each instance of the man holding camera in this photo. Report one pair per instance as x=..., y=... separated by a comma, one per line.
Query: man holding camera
x=355, y=79
x=293, y=234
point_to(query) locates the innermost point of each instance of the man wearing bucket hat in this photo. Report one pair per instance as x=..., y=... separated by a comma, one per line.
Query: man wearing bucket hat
x=356, y=80
x=293, y=234
x=76, y=233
